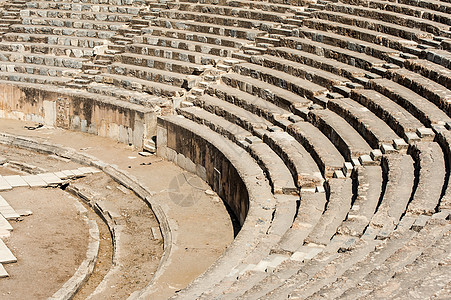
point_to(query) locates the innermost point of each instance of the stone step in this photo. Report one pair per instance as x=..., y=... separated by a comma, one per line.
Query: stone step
x=375, y=131
x=327, y=157
x=399, y=119
x=342, y=135
x=271, y=93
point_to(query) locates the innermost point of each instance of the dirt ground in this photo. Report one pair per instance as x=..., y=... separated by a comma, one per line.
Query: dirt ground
x=201, y=225
x=49, y=245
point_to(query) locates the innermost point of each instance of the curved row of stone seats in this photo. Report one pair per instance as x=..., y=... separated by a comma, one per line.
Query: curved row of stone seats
x=375, y=130
x=322, y=151
x=291, y=83
x=347, y=140
x=312, y=74
x=259, y=229
x=410, y=8
x=301, y=271
x=432, y=91
x=279, y=176
x=387, y=16
x=256, y=5
x=435, y=72
x=421, y=108
x=343, y=55
x=360, y=30
x=150, y=42
x=404, y=247
x=298, y=161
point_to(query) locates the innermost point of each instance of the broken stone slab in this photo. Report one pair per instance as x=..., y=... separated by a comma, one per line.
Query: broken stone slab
x=412, y=137
x=376, y=155
x=347, y=168
x=50, y=178
x=387, y=149
x=6, y=256
x=365, y=160
x=3, y=272
x=15, y=180
x=400, y=144
x=4, y=224
x=426, y=133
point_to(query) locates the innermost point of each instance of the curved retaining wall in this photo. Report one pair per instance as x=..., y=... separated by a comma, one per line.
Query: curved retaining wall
x=233, y=175
x=78, y=110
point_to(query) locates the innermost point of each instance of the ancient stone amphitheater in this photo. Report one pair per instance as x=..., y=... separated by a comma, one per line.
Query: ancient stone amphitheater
x=324, y=127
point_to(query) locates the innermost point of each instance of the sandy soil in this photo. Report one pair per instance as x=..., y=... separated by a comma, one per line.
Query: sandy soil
x=49, y=245
x=202, y=228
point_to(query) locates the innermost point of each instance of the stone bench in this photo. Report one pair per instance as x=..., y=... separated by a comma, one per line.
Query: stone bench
x=55, y=13
x=274, y=94
x=369, y=189
x=84, y=42
x=310, y=210
x=63, y=31
x=172, y=53
x=219, y=19
x=294, y=84
x=346, y=56
x=149, y=74
x=297, y=159
x=41, y=70
x=111, y=2
x=137, y=96
x=83, y=7
x=395, y=259
x=357, y=45
x=318, y=62
x=441, y=57
x=265, y=6
x=434, y=72
x=361, y=32
x=391, y=17
x=424, y=275
x=161, y=63
x=73, y=23
x=399, y=119
x=201, y=27
x=195, y=37
x=34, y=78
x=237, y=12
x=252, y=103
x=56, y=50
x=279, y=176
x=314, y=75
x=151, y=87
x=433, y=91
x=342, y=135
x=430, y=164
x=189, y=45
x=437, y=5
x=232, y=113
x=326, y=156
x=443, y=137
x=375, y=131
x=400, y=175
x=337, y=207
x=409, y=9
x=42, y=59
x=418, y=106
x=357, y=274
